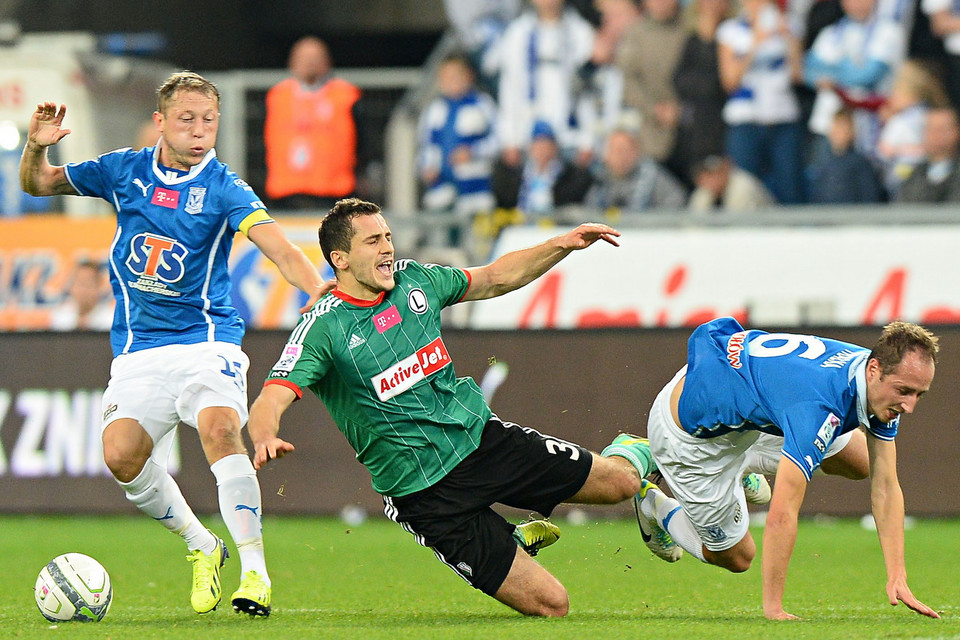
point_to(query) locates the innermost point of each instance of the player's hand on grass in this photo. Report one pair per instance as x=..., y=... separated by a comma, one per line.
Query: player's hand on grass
x=270, y=449
x=779, y=614
x=44, y=129
x=898, y=591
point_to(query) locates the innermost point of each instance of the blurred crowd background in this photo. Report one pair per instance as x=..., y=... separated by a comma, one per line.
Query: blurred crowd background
x=467, y=117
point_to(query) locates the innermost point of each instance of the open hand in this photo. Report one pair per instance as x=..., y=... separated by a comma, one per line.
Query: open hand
x=44, y=129
x=270, y=449
x=898, y=591
x=588, y=233
x=323, y=290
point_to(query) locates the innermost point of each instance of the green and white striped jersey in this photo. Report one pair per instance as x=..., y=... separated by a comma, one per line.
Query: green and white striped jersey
x=383, y=372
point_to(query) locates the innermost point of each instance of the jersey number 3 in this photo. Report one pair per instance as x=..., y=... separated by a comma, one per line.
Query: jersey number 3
x=558, y=446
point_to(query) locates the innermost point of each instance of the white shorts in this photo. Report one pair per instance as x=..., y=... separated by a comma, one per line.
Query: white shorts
x=765, y=454
x=705, y=473
x=164, y=386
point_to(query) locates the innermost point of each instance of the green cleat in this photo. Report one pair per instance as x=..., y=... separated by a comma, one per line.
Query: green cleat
x=654, y=536
x=253, y=596
x=534, y=535
x=629, y=438
x=756, y=488
x=206, y=578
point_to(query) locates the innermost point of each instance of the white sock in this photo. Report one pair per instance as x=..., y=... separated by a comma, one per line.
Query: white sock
x=240, y=507
x=670, y=516
x=156, y=493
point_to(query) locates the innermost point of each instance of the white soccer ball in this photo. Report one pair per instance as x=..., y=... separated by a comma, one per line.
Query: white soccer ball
x=73, y=587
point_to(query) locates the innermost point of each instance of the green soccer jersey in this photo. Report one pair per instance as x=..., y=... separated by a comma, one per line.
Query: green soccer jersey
x=383, y=372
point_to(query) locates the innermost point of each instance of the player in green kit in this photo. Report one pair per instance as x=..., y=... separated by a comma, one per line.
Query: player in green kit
x=372, y=350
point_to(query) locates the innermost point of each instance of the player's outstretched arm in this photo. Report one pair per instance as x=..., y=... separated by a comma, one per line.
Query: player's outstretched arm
x=886, y=499
x=37, y=176
x=518, y=268
x=779, y=537
x=294, y=265
x=264, y=423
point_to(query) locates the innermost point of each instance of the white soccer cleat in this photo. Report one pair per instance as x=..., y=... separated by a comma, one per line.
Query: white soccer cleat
x=654, y=536
x=756, y=488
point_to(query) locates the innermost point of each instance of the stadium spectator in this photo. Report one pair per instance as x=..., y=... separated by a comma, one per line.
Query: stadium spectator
x=545, y=182
x=811, y=395
x=176, y=339
x=310, y=132
x=723, y=185
x=852, y=63
x=945, y=24
x=147, y=135
x=616, y=17
x=647, y=57
x=542, y=54
x=87, y=307
x=843, y=175
x=700, y=127
x=937, y=178
x=602, y=78
x=759, y=59
x=900, y=148
x=435, y=450
x=479, y=26
x=632, y=181
x=457, y=143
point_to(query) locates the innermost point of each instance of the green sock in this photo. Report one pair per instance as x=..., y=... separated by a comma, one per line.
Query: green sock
x=635, y=450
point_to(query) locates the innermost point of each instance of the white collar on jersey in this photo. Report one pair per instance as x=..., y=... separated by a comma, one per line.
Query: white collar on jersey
x=190, y=175
x=858, y=370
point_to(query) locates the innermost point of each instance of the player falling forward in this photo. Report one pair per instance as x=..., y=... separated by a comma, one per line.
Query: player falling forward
x=176, y=337
x=372, y=350
x=745, y=389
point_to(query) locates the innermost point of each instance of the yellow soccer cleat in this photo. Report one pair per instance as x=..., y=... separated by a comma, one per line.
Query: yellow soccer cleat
x=253, y=596
x=206, y=578
x=534, y=535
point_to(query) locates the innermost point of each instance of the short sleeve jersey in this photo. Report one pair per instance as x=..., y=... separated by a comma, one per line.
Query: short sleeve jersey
x=168, y=259
x=810, y=390
x=384, y=373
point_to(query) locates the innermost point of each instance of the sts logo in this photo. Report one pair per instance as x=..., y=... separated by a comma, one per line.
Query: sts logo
x=157, y=260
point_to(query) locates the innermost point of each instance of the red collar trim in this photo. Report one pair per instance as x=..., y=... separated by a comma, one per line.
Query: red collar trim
x=346, y=297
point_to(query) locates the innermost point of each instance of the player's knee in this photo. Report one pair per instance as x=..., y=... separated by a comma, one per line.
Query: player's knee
x=735, y=560
x=122, y=463
x=740, y=564
x=554, y=604
x=219, y=427
x=124, y=459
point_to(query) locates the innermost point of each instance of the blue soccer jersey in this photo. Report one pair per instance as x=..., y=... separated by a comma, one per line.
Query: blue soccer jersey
x=807, y=389
x=168, y=259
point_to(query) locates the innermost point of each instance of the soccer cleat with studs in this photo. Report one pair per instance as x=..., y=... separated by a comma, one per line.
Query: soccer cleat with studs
x=535, y=534
x=207, y=590
x=654, y=536
x=253, y=595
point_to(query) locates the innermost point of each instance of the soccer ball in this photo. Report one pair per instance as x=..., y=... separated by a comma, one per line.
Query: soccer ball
x=73, y=587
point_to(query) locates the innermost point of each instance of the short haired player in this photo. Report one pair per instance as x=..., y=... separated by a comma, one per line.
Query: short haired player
x=176, y=336
x=820, y=402
x=372, y=350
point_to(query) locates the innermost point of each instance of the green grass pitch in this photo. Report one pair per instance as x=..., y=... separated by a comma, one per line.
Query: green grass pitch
x=373, y=581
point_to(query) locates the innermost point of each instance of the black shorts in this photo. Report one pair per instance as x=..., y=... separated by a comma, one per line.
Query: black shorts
x=515, y=466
